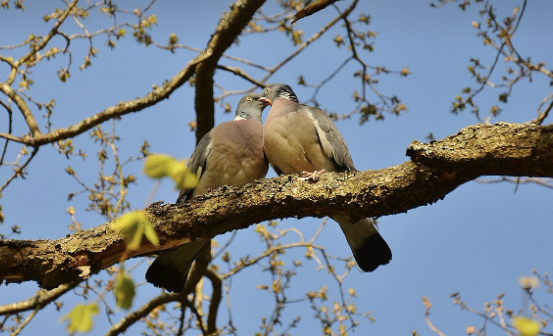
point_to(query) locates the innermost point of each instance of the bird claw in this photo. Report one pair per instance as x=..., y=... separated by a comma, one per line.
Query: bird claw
x=312, y=176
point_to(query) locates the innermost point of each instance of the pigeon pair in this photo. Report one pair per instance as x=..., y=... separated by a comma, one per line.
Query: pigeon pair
x=296, y=138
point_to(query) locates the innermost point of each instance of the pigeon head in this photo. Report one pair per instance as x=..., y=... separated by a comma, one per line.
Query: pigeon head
x=250, y=107
x=275, y=91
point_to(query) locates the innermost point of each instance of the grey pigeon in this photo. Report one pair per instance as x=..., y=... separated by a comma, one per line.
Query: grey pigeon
x=230, y=154
x=301, y=138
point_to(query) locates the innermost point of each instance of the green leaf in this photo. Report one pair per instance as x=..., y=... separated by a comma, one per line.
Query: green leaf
x=124, y=290
x=80, y=318
x=127, y=223
x=183, y=177
x=158, y=166
x=151, y=233
x=526, y=326
x=133, y=225
x=134, y=239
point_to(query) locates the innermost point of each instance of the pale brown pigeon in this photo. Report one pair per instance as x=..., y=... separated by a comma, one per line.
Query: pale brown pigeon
x=301, y=138
x=230, y=154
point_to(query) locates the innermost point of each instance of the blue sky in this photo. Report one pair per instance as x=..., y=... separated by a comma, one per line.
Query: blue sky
x=478, y=241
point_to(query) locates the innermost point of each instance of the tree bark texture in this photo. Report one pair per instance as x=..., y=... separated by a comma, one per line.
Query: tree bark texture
x=435, y=169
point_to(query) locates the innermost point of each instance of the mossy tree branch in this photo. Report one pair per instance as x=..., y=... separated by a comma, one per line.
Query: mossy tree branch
x=435, y=169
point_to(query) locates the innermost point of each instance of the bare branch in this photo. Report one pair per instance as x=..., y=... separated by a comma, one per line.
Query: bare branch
x=10, y=125
x=19, y=171
x=311, y=40
x=45, y=39
x=216, y=297
x=152, y=98
x=143, y=311
x=40, y=300
x=241, y=73
x=230, y=57
x=27, y=114
x=545, y=113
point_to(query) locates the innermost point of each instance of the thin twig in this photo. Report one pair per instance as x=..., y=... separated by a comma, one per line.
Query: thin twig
x=19, y=170
x=24, y=323
x=10, y=122
x=313, y=38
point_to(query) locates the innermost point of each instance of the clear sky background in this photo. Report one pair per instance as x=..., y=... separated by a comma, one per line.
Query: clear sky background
x=477, y=241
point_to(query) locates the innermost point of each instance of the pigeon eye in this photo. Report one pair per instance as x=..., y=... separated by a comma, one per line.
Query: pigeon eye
x=249, y=99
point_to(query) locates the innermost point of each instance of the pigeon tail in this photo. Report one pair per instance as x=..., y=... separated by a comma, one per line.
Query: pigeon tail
x=170, y=269
x=369, y=248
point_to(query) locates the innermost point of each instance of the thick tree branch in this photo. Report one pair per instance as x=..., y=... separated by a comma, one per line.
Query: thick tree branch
x=229, y=28
x=502, y=149
x=436, y=169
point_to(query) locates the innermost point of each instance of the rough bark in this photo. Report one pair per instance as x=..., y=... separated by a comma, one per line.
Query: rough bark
x=435, y=169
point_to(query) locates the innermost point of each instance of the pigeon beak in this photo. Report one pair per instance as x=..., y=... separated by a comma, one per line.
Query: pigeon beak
x=265, y=101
